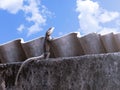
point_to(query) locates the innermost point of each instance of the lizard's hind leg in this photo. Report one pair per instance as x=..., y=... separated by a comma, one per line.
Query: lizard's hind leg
x=46, y=55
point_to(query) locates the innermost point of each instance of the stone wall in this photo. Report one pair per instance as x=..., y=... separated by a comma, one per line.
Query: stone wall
x=66, y=46
x=87, y=72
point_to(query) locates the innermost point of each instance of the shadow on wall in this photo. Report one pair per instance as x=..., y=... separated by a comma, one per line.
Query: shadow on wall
x=65, y=46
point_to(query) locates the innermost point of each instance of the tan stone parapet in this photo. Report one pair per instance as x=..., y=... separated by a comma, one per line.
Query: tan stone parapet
x=12, y=52
x=67, y=46
x=92, y=44
x=34, y=47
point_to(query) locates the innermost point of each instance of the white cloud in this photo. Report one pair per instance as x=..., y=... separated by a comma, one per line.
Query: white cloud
x=35, y=13
x=108, y=30
x=21, y=28
x=12, y=6
x=108, y=16
x=34, y=29
x=35, y=16
x=91, y=16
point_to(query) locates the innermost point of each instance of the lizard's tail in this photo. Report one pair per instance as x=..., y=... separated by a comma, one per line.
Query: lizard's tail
x=24, y=63
x=20, y=69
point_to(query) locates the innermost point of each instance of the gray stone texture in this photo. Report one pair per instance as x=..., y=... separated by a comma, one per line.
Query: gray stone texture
x=87, y=72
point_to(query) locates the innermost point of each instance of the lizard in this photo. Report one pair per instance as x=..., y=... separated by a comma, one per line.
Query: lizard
x=45, y=55
x=47, y=43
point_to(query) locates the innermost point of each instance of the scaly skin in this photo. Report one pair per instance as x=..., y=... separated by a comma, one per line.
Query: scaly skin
x=47, y=42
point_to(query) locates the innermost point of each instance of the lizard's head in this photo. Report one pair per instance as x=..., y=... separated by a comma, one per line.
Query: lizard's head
x=50, y=30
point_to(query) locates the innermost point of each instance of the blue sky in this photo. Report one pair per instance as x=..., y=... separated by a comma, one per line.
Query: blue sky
x=29, y=19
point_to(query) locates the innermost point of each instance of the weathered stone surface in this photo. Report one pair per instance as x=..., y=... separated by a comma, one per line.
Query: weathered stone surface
x=89, y=72
x=92, y=44
x=109, y=43
x=117, y=40
x=12, y=52
x=33, y=48
x=67, y=46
